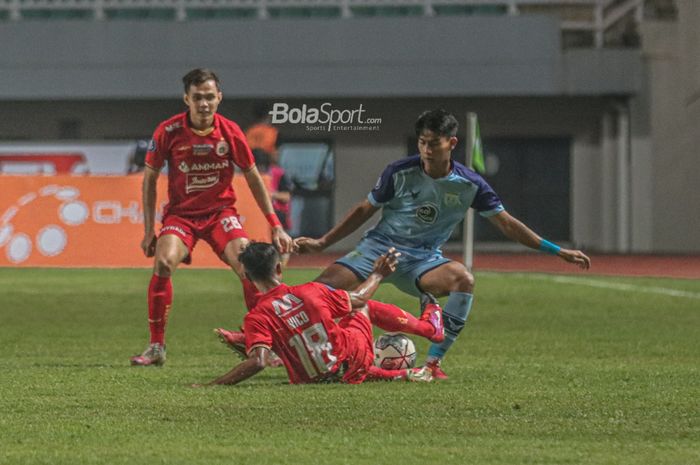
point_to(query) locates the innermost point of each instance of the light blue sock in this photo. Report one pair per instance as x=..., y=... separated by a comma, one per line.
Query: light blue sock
x=454, y=315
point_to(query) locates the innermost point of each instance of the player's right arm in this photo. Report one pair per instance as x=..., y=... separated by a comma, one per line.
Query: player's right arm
x=148, y=191
x=355, y=218
x=254, y=364
x=258, y=341
x=383, y=267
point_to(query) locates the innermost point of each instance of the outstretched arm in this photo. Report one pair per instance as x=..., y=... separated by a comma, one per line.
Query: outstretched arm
x=254, y=364
x=355, y=218
x=280, y=238
x=515, y=230
x=383, y=267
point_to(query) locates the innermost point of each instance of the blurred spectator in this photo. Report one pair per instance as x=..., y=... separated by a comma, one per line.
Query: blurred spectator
x=137, y=160
x=280, y=186
x=262, y=139
x=262, y=134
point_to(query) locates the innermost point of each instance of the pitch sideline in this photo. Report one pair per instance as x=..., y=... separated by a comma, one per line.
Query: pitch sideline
x=607, y=285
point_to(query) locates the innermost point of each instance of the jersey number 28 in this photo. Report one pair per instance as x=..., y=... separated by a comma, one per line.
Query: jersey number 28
x=231, y=222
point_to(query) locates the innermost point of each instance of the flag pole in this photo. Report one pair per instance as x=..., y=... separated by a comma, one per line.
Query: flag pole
x=468, y=228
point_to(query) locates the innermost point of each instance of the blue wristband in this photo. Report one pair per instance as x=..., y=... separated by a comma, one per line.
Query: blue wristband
x=549, y=247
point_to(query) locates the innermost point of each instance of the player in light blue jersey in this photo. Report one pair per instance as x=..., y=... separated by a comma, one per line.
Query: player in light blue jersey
x=422, y=199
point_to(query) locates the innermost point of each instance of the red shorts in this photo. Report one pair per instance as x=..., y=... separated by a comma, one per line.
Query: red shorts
x=360, y=347
x=218, y=229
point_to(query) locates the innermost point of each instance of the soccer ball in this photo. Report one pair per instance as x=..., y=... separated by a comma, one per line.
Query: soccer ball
x=394, y=351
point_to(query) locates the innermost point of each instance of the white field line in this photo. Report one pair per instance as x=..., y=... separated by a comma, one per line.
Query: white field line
x=609, y=285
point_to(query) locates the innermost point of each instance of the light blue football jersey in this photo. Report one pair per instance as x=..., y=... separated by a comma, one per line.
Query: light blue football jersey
x=420, y=212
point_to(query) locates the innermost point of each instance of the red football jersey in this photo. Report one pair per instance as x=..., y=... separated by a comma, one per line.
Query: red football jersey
x=297, y=323
x=200, y=167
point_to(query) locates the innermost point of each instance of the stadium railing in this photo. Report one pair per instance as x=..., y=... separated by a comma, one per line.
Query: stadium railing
x=596, y=19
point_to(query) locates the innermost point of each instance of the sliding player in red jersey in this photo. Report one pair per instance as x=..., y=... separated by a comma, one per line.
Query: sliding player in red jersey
x=299, y=324
x=201, y=149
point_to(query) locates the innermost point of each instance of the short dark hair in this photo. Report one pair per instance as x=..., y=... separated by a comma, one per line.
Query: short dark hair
x=199, y=76
x=259, y=260
x=439, y=122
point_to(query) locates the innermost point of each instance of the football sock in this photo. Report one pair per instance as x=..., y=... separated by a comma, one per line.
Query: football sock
x=376, y=373
x=251, y=294
x=454, y=316
x=391, y=318
x=160, y=298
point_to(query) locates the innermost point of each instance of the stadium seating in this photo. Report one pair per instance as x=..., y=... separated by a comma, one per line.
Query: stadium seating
x=584, y=23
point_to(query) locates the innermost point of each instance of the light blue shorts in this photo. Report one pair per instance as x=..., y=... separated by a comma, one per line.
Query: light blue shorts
x=413, y=263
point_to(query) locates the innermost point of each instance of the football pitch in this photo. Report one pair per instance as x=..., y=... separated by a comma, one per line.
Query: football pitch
x=576, y=370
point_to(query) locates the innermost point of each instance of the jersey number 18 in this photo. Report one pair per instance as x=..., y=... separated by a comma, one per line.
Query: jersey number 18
x=314, y=350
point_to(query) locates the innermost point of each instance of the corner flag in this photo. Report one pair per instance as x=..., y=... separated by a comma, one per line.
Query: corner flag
x=478, y=151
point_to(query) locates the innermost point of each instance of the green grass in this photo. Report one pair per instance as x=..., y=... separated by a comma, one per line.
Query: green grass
x=546, y=373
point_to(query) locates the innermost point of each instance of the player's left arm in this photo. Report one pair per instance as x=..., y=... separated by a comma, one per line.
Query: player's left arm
x=280, y=238
x=254, y=364
x=515, y=230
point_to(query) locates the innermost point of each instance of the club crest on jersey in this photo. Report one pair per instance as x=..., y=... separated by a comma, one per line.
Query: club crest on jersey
x=222, y=148
x=201, y=149
x=427, y=213
x=201, y=182
x=184, y=167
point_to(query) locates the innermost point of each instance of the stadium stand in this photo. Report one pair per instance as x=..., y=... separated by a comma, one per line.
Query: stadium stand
x=584, y=23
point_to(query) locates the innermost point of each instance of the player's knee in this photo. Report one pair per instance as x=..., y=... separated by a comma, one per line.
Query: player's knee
x=463, y=281
x=165, y=265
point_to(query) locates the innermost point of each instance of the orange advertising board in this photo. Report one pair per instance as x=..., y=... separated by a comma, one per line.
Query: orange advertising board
x=92, y=221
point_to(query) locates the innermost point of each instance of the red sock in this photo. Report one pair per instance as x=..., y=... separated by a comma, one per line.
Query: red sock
x=376, y=373
x=251, y=294
x=391, y=318
x=160, y=297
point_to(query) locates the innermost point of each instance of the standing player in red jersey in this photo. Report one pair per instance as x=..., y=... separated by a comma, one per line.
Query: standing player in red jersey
x=298, y=324
x=202, y=149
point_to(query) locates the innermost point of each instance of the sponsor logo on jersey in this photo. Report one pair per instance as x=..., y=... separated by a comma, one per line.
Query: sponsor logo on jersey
x=451, y=200
x=427, y=213
x=182, y=148
x=201, y=182
x=185, y=168
x=222, y=148
x=287, y=303
x=172, y=127
x=152, y=145
x=201, y=149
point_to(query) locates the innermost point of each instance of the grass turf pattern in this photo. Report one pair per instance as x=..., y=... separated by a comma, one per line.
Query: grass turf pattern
x=545, y=373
